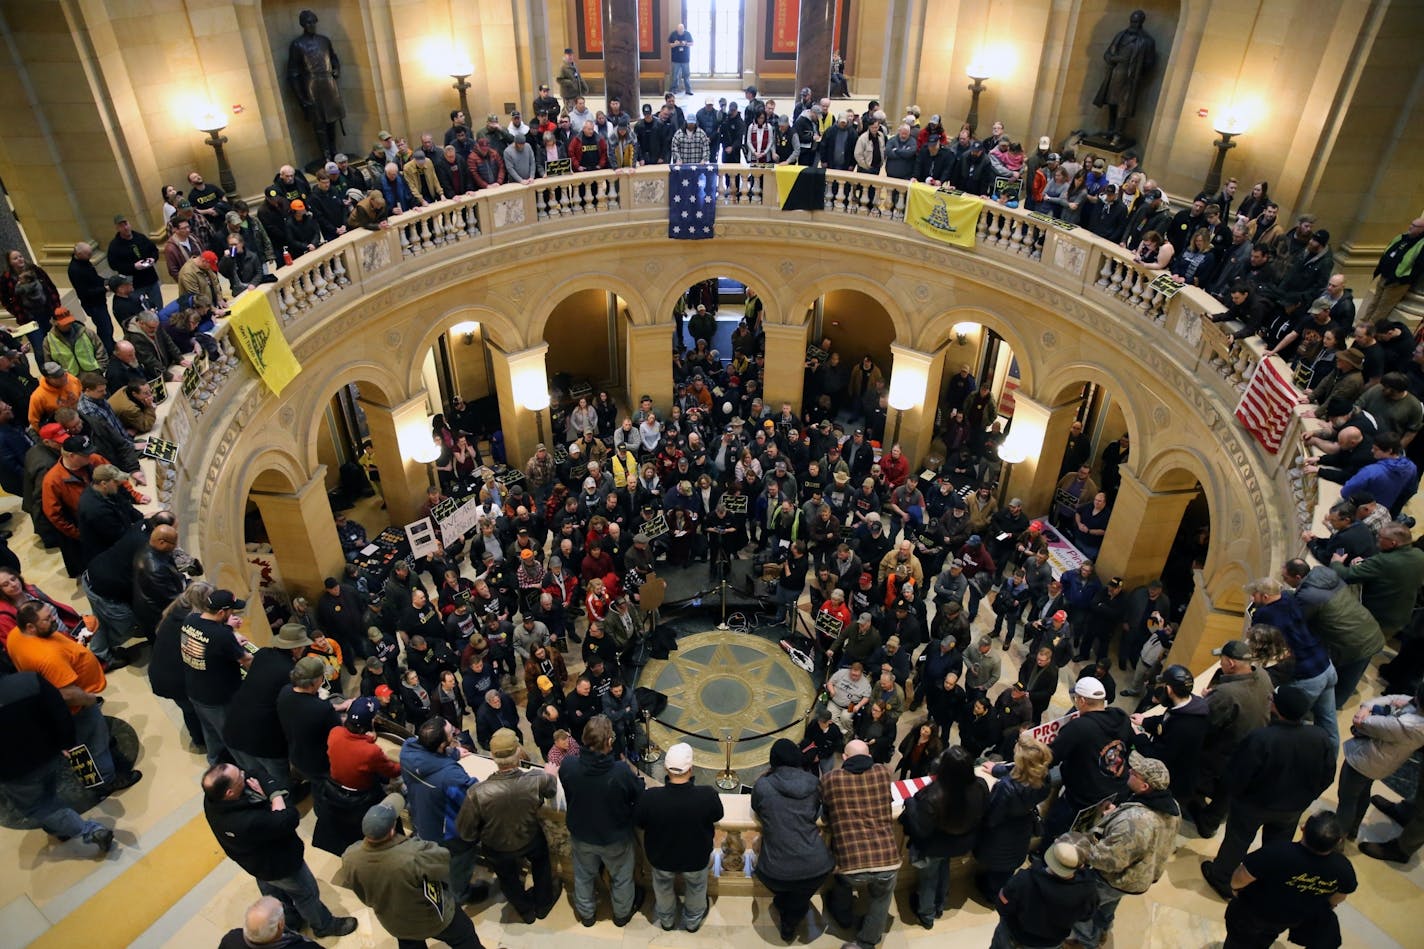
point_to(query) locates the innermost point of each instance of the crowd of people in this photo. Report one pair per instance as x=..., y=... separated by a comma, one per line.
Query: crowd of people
x=525, y=643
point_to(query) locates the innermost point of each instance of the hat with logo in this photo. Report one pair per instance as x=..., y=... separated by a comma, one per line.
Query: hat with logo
x=54, y=432
x=679, y=758
x=504, y=744
x=361, y=714
x=77, y=445
x=1233, y=649
x=225, y=600
x=383, y=692
x=63, y=318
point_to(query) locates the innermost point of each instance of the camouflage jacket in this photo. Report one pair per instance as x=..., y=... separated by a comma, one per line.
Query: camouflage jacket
x=1133, y=842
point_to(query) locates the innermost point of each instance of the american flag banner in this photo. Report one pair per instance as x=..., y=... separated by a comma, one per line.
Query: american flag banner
x=692, y=202
x=902, y=791
x=1265, y=407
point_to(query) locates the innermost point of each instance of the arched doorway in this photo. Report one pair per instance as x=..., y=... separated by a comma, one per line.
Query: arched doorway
x=587, y=335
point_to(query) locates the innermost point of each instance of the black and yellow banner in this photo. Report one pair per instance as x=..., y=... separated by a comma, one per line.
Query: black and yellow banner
x=799, y=188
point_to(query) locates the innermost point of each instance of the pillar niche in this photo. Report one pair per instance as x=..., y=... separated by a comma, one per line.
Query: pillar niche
x=1206, y=625
x=915, y=375
x=785, y=364
x=620, y=53
x=393, y=430
x=1046, y=427
x=649, y=362
x=814, y=42
x=303, y=534
x=522, y=383
x=1141, y=530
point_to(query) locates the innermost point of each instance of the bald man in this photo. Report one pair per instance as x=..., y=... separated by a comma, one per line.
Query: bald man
x=264, y=926
x=157, y=579
x=856, y=797
x=92, y=291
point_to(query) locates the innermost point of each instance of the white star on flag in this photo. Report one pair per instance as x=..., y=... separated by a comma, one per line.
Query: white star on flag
x=677, y=230
x=686, y=182
x=699, y=215
x=677, y=198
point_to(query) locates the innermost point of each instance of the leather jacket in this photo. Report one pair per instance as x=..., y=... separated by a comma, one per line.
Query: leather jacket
x=501, y=813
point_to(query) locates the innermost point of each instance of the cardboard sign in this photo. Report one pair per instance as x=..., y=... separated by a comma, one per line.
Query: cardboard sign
x=1007, y=189
x=1086, y=819
x=81, y=762
x=421, y=535
x=557, y=167
x=161, y=450
x=652, y=593
x=655, y=526
x=460, y=521
x=736, y=503
x=1049, y=730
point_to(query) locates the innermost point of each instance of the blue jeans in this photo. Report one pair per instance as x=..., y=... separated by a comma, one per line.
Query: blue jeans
x=1091, y=931
x=277, y=769
x=213, y=718
x=694, y=898
x=1321, y=690
x=299, y=897
x=116, y=621
x=879, y=887
x=36, y=795
x=588, y=859
x=681, y=71
x=91, y=730
x=933, y=887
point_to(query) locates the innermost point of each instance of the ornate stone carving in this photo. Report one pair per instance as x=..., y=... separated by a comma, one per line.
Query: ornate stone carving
x=509, y=212
x=375, y=257
x=1070, y=257
x=1189, y=326
x=288, y=417
x=393, y=338
x=650, y=191
x=1049, y=339
x=1161, y=417
x=788, y=269
x=922, y=292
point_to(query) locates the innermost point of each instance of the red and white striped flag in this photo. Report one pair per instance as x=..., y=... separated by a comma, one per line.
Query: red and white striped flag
x=1265, y=407
x=902, y=791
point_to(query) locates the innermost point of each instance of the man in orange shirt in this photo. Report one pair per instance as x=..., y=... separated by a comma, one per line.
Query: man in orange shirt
x=60, y=492
x=76, y=673
x=57, y=390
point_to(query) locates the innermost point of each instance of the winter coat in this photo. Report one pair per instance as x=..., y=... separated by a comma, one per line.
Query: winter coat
x=900, y=157
x=262, y=841
x=602, y=793
x=1236, y=705
x=393, y=876
x=1387, y=738
x=1175, y=738
x=954, y=833
x=1389, y=581
x=1338, y=618
x=435, y=787
x=787, y=801
x=1092, y=751
x=1135, y=840
x=1010, y=821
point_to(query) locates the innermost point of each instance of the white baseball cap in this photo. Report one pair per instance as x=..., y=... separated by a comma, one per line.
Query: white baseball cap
x=679, y=758
x=1090, y=687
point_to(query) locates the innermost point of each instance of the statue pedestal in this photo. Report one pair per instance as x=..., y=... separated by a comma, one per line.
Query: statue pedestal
x=1106, y=143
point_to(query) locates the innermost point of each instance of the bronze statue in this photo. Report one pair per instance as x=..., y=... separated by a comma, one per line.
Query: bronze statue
x=312, y=71
x=1129, y=56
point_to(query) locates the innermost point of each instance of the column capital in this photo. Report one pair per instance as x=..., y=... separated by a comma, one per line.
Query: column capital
x=317, y=482
x=517, y=357
x=784, y=331
x=397, y=407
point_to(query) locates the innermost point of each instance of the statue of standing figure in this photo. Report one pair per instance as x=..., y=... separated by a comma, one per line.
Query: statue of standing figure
x=312, y=71
x=1130, y=55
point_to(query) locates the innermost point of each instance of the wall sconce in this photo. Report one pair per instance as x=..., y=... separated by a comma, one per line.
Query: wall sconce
x=466, y=331
x=1228, y=126
x=962, y=331
x=211, y=122
x=979, y=72
x=907, y=388
x=460, y=70
x=1017, y=447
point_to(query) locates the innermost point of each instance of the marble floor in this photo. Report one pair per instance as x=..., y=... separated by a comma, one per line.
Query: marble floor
x=166, y=884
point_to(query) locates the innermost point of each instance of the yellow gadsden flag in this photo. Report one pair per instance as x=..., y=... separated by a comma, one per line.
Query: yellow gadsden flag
x=944, y=217
x=260, y=337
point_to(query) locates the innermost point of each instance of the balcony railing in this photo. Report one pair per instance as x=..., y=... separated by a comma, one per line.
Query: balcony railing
x=1065, y=258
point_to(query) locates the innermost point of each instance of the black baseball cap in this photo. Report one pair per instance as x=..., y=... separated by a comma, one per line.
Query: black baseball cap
x=225, y=600
x=1233, y=649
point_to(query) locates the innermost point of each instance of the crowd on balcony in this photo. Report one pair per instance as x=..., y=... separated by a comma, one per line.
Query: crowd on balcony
x=534, y=625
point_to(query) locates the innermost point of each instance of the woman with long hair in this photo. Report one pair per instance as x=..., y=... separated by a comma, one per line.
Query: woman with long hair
x=1012, y=818
x=165, y=666
x=1255, y=202
x=940, y=824
x=15, y=593
x=918, y=750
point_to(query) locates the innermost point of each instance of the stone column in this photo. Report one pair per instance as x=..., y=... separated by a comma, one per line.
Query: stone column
x=1141, y=530
x=649, y=365
x=920, y=376
x=303, y=534
x=520, y=379
x=1046, y=429
x=620, y=53
x=814, y=41
x=394, y=428
x=1204, y=628
x=785, y=364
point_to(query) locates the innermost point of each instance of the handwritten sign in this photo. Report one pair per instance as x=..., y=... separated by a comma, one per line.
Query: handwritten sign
x=558, y=167
x=736, y=503
x=655, y=526
x=462, y=519
x=161, y=450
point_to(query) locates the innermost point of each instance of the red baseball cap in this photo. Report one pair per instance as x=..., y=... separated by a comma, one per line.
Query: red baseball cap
x=210, y=257
x=383, y=691
x=54, y=432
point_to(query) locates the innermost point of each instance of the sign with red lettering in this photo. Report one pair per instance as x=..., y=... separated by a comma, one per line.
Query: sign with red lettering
x=1049, y=730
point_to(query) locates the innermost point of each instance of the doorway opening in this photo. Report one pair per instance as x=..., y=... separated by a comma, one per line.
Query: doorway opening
x=716, y=28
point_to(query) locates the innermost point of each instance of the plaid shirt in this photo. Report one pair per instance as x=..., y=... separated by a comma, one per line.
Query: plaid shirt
x=690, y=148
x=857, y=802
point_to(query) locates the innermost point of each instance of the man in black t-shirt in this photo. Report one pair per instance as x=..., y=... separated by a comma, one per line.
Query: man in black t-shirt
x=1292, y=885
x=680, y=51
x=213, y=661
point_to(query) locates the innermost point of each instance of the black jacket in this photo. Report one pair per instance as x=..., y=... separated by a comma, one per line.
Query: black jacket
x=1092, y=752
x=111, y=572
x=262, y=841
x=1009, y=822
x=36, y=723
x=103, y=519
x=88, y=285
x=1039, y=908
x=953, y=833
x=1175, y=738
x=123, y=253
x=787, y=801
x=252, y=722
x=156, y=582
x=602, y=795
x=940, y=167
x=1283, y=766
x=678, y=821
x=306, y=720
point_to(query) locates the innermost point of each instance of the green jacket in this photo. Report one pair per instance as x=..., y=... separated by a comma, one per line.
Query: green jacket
x=1389, y=582
x=83, y=353
x=405, y=881
x=1338, y=618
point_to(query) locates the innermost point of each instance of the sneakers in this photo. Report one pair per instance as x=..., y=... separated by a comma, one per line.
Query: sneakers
x=103, y=838
x=340, y=926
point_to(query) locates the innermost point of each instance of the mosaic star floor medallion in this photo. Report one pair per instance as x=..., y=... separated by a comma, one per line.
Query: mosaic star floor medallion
x=723, y=681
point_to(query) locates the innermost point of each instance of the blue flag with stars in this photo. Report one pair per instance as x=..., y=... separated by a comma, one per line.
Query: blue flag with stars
x=692, y=202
